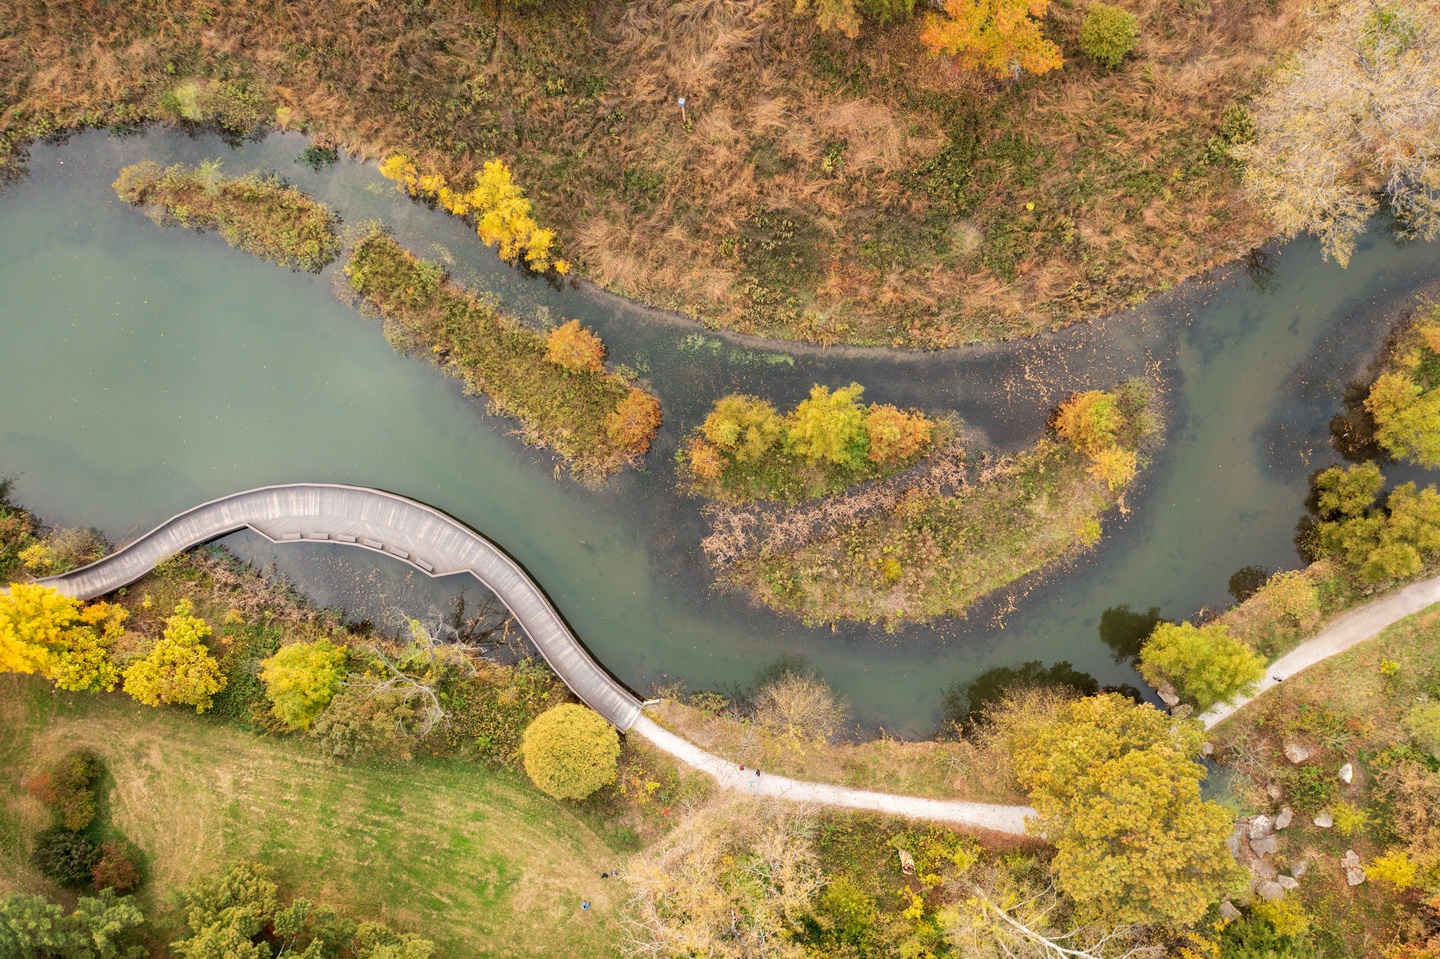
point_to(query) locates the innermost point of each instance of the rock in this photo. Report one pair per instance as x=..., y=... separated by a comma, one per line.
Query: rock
x=1273, y=791
x=1260, y=827
x=1264, y=847
x=1182, y=711
x=1234, y=841
x=1263, y=871
x=1297, y=753
x=1168, y=695
x=1286, y=817
x=1271, y=891
x=1354, y=872
x=1288, y=882
x=1347, y=774
x=907, y=863
x=1300, y=868
x=1208, y=749
x=1325, y=820
x=1228, y=912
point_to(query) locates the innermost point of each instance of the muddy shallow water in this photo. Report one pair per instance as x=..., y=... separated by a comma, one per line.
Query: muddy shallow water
x=144, y=370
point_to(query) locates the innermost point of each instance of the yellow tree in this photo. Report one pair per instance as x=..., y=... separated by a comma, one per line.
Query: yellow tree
x=44, y=631
x=301, y=679
x=894, y=434
x=746, y=427
x=998, y=37
x=178, y=668
x=575, y=348
x=830, y=426
x=1117, y=792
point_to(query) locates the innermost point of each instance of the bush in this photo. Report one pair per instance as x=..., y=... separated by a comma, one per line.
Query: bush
x=894, y=434
x=69, y=787
x=1286, y=916
x=575, y=348
x=570, y=751
x=830, y=427
x=1422, y=721
x=746, y=427
x=1394, y=867
x=705, y=462
x=1205, y=663
x=634, y=423
x=301, y=679
x=1090, y=421
x=361, y=721
x=1349, y=819
x=116, y=868
x=1108, y=34
x=65, y=857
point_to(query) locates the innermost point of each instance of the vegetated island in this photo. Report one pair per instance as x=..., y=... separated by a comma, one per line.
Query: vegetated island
x=931, y=542
x=555, y=384
x=746, y=451
x=260, y=214
x=1403, y=402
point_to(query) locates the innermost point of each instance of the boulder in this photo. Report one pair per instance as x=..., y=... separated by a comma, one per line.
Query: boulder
x=1270, y=891
x=1260, y=827
x=1273, y=791
x=1182, y=711
x=1288, y=882
x=907, y=863
x=1228, y=912
x=1207, y=749
x=1263, y=871
x=1300, y=868
x=1264, y=847
x=1286, y=817
x=1354, y=872
x=1234, y=841
x=1325, y=820
x=1347, y=774
x=1297, y=753
x=1168, y=695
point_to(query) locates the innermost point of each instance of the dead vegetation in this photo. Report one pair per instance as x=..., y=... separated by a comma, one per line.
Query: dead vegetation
x=812, y=187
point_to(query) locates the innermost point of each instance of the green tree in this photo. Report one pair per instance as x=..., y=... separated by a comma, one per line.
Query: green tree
x=830, y=427
x=746, y=427
x=178, y=669
x=101, y=927
x=226, y=912
x=1117, y=792
x=1205, y=663
x=1407, y=418
x=1347, y=491
x=1108, y=34
x=301, y=679
x=570, y=751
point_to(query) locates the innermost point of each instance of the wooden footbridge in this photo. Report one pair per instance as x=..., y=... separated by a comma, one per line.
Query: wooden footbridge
x=424, y=537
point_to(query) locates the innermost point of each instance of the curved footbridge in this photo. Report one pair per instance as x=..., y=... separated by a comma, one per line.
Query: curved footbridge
x=424, y=537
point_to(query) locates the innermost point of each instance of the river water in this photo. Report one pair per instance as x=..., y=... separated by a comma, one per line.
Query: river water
x=144, y=370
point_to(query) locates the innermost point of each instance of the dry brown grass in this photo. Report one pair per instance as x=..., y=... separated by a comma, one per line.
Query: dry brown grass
x=822, y=189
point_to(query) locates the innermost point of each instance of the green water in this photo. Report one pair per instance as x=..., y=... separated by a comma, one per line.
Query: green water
x=144, y=370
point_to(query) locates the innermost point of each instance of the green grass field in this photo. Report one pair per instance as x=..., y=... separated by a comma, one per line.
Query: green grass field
x=476, y=860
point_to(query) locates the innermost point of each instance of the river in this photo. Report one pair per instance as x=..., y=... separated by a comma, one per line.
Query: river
x=144, y=370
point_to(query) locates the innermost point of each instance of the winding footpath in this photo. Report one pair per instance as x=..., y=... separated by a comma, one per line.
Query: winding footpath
x=440, y=545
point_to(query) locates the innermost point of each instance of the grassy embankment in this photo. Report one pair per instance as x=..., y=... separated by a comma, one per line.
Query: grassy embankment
x=258, y=214
x=1356, y=707
x=817, y=188
x=934, y=542
x=572, y=412
x=474, y=859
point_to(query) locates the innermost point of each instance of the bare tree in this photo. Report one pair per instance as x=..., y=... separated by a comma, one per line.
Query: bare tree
x=800, y=707
x=1358, y=114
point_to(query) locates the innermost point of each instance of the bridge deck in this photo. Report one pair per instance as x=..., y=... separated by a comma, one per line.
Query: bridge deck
x=422, y=536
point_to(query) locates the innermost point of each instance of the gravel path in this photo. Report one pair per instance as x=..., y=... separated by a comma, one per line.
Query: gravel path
x=1354, y=627
x=1006, y=819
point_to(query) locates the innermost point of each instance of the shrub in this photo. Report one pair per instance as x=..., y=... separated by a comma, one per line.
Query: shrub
x=1349, y=819
x=178, y=669
x=575, y=348
x=1089, y=421
x=895, y=435
x=1108, y=34
x=116, y=868
x=746, y=427
x=69, y=787
x=635, y=422
x=705, y=462
x=1116, y=466
x=362, y=721
x=1310, y=789
x=65, y=857
x=830, y=427
x=570, y=751
x=301, y=679
x=1286, y=916
x=1205, y=663
x=1422, y=721
x=1394, y=867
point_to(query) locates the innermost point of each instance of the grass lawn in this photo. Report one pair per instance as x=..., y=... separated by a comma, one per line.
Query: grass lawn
x=474, y=859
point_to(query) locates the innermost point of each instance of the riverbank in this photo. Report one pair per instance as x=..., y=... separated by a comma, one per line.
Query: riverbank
x=853, y=191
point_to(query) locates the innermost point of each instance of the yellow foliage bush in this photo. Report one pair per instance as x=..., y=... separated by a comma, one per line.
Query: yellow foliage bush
x=178, y=669
x=993, y=36
x=43, y=631
x=894, y=434
x=1286, y=916
x=503, y=215
x=1394, y=867
x=1089, y=421
x=705, y=462
x=635, y=422
x=575, y=348
x=1116, y=466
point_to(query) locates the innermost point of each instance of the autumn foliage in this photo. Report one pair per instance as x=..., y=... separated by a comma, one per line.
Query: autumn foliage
x=635, y=422
x=994, y=37
x=501, y=212
x=43, y=631
x=178, y=669
x=575, y=348
x=895, y=434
